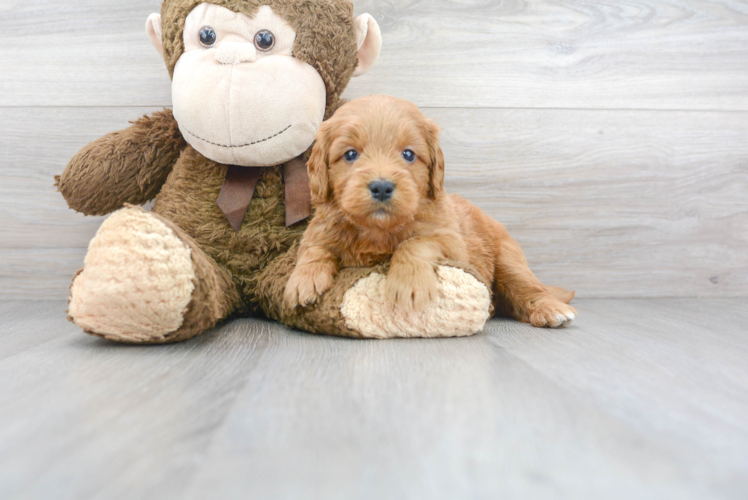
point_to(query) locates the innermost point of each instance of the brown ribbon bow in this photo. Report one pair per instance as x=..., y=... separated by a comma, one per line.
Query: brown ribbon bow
x=239, y=188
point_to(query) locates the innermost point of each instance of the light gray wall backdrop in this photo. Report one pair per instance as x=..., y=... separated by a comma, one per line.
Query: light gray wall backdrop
x=610, y=137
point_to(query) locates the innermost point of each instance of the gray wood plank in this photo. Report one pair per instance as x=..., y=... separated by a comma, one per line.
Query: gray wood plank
x=638, y=399
x=444, y=419
x=611, y=203
x=26, y=325
x=84, y=418
x=42, y=241
x=81, y=53
x=646, y=54
x=674, y=369
x=662, y=54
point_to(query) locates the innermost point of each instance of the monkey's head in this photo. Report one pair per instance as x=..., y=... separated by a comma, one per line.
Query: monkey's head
x=252, y=80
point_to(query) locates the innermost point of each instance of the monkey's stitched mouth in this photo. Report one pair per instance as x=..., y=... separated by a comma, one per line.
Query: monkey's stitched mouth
x=243, y=145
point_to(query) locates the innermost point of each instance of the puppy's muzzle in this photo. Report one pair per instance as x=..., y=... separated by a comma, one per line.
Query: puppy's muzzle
x=382, y=190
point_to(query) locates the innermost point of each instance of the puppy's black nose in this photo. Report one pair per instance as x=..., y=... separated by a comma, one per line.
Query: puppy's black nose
x=382, y=190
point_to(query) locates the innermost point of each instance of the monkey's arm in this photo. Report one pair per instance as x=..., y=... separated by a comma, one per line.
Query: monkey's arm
x=129, y=166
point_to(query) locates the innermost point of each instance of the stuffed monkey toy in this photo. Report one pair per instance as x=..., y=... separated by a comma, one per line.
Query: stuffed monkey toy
x=252, y=82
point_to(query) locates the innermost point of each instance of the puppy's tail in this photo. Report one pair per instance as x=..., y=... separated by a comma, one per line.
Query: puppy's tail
x=561, y=294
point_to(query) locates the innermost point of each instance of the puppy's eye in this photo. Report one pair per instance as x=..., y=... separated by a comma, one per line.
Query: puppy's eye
x=409, y=156
x=264, y=40
x=351, y=156
x=208, y=36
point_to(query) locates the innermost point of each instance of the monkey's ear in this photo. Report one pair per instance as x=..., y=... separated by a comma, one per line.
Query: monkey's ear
x=369, y=40
x=153, y=28
x=317, y=167
x=436, y=167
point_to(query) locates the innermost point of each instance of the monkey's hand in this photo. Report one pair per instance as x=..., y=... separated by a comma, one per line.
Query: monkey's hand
x=129, y=166
x=307, y=283
x=412, y=285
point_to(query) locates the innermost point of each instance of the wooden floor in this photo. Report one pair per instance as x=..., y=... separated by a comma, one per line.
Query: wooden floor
x=639, y=399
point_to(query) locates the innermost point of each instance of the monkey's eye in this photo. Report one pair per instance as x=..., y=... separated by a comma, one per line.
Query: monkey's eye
x=264, y=40
x=208, y=36
x=409, y=156
x=351, y=156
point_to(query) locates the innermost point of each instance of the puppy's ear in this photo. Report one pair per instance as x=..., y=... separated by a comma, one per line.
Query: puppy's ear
x=436, y=166
x=317, y=166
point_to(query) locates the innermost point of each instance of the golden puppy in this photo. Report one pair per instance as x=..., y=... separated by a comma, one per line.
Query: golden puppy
x=377, y=178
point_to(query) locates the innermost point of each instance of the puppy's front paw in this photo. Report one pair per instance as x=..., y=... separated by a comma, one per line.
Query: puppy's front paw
x=550, y=312
x=307, y=283
x=412, y=288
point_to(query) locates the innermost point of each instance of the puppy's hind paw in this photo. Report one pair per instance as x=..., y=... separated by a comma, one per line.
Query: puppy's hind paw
x=552, y=313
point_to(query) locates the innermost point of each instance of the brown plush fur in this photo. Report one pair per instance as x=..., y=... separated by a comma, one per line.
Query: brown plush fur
x=237, y=273
x=418, y=227
x=128, y=166
x=188, y=199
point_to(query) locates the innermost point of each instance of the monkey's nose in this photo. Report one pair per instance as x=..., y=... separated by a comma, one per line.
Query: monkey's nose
x=382, y=190
x=236, y=53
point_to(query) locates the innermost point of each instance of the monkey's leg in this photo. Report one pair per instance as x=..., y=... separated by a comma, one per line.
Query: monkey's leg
x=356, y=305
x=520, y=294
x=147, y=282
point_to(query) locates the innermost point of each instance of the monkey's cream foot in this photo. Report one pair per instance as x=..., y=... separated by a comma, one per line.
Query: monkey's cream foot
x=137, y=282
x=549, y=312
x=461, y=308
